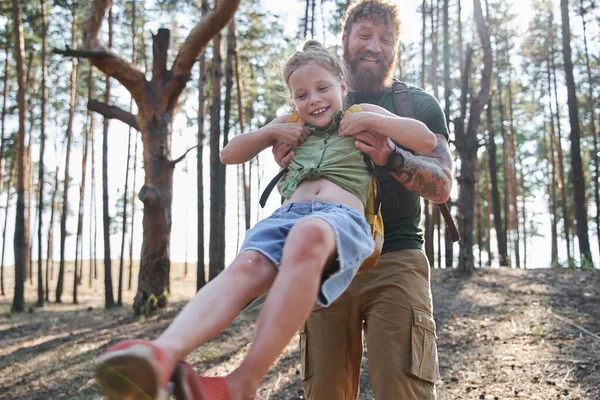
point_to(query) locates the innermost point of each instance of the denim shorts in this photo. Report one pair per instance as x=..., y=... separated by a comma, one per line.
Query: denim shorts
x=354, y=242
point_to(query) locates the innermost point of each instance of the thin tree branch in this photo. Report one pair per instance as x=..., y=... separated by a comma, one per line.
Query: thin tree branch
x=160, y=51
x=113, y=112
x=175, y=161
x=196, y=42
x=99, y=54
x=113, y=65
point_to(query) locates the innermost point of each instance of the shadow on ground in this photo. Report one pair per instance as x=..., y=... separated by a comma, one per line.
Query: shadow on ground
x=503, y=334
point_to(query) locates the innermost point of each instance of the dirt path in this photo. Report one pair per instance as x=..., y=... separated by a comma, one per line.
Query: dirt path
x=503, y=334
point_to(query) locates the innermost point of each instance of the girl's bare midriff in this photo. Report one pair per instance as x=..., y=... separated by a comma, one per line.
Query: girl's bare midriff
x=325, y=190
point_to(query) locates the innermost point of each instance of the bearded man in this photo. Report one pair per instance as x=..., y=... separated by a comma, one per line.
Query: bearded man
x=391, y=302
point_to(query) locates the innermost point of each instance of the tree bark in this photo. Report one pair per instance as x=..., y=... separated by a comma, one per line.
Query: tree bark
x=245, y=183
x=2, y=131
x=21, y=238
x=11, y=176
x=576, y=166
x=467, y=145
x=200, y=267
x=217, y=217
x=595, y=145
x=3, y=118
x=561, y=166
x=29, y=171
x=124, y=223
x=50, y=247
x=513, y=145
x=552, y=183
x=135, y=151
x=79, y=237
x=40, y=301
x=109, y=300
x=69, y=135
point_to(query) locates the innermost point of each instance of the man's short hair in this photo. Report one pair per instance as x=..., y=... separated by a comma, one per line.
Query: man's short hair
x=376, y=10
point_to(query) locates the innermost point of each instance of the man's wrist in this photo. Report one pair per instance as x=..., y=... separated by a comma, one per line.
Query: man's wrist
x=395, y=161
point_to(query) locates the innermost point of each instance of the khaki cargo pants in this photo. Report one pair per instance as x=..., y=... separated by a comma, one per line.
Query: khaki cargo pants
x=393, y=303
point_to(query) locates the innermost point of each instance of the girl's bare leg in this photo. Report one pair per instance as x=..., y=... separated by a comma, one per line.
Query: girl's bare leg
x=217, y=304
x=308, y=249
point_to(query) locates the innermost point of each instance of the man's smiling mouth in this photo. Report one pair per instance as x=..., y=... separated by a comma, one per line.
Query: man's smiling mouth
x=369, y=60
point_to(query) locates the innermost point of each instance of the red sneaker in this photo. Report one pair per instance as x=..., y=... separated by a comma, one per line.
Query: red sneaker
x=134, y=369
x=189, y=386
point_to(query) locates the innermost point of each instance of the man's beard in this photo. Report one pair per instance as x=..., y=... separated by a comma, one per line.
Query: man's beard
x=368, y=80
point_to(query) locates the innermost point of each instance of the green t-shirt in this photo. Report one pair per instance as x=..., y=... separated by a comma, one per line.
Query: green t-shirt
x=325, y=154
x=401, y=209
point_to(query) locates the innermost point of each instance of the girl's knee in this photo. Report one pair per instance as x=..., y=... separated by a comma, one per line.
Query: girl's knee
x=252, y=266
x=312, y=233
x=310, y=244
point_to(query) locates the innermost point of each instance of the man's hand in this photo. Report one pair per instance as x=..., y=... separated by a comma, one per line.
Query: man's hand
x=378, y=147
x=290, y=133
x=282, y=153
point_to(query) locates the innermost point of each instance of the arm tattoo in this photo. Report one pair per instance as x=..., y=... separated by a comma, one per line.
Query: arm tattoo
x=428, y=174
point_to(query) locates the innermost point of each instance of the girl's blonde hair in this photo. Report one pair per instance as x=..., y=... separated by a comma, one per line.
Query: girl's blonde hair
x=314, y=52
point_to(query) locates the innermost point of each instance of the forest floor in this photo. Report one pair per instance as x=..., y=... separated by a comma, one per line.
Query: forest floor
x=503, y=334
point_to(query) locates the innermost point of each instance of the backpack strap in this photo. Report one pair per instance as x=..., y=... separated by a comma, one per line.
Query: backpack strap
x=404, y=108
x=402, y=100
x=267, y=192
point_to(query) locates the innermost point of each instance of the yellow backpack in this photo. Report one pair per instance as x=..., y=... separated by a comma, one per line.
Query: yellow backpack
x=372, y=208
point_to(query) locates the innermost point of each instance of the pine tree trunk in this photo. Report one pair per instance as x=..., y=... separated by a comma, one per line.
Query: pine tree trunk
x=448, y=245
x=306, y=19
x=131, y=237
x=467, y=145
x=561, y=167
x=93, y=274
x=496, y=200
x=124, y=224
x=200, y=268
x=552, y=173
x=476, y=214
x=109, y=300
x=29, y=171
x=50, y=246
x=40, y=301
x=93, y=210
x=67, y=179
x=2, y=131
x=590, y=99
x=513, y=174
x=79, y=237
x=125, y=192
x=217, y=216
x=423, y=42
x=11, y=175
x=245, y=166
x=461, y=57
x=3, y=118
x=488, y=207
x=21, y=237
x=135, y=151
x=576, y=166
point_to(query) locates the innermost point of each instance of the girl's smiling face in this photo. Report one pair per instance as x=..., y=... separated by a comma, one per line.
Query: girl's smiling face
x=317, y=94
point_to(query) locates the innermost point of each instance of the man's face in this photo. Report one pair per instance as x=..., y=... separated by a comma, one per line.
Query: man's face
x=370, y=51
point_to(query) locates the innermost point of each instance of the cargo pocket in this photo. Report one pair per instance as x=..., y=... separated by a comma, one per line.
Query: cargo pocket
x=424, y=361
x=306, y=369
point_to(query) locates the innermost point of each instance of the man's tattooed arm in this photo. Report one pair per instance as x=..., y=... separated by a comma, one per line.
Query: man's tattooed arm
x=428, y=174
